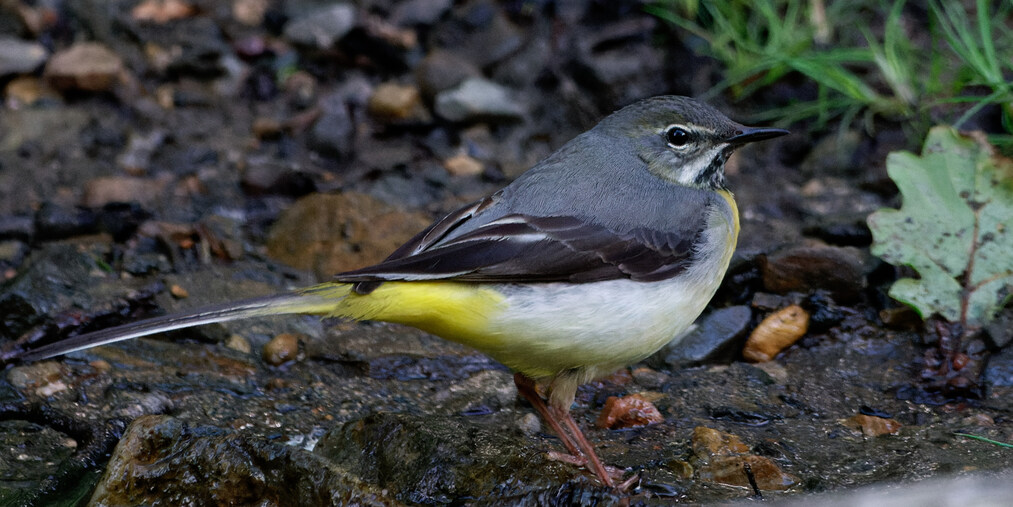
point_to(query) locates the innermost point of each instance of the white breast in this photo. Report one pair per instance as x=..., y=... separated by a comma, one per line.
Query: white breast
x=603, y=326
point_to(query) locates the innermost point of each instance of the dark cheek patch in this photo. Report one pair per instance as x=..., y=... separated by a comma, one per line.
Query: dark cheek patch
x=714, y=175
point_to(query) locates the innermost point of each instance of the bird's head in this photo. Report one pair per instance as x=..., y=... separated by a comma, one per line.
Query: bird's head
x=683, y=140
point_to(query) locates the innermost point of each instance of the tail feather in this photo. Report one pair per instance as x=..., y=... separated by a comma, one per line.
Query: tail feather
x=322, y=299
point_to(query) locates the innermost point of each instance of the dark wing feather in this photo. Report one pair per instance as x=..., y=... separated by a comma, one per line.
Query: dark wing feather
x=521, y=248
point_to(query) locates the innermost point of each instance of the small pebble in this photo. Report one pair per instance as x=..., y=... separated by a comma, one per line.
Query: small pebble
x=648, y=378
x=529, y=424
x=178, y=292
x=395, y=101
x=238, y=343
x=162, y=11
x=776, y=333
x=463, y=165
x=281, y=349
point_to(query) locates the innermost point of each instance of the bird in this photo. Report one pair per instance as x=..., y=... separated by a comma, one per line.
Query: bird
x=588, y=262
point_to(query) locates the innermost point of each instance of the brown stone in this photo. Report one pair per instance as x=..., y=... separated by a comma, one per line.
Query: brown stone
x=872, y=426
x=101, y=191
x=281, y=349
x=86, y=66
x=708, y=443
x=839, y=270
x=730, y=470
x=330, y=233
x=393, y=101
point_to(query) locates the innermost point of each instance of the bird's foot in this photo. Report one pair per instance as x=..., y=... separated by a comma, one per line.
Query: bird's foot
x=615, y=473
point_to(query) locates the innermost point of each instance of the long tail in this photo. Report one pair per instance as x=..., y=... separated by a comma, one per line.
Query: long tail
x=321, y=299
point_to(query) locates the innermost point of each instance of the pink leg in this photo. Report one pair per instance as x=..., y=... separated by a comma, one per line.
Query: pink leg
x=526, y=387
x=573, y=438
x=585, y=446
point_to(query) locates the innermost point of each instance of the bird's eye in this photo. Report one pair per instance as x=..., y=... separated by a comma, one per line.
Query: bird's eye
x=677, y=137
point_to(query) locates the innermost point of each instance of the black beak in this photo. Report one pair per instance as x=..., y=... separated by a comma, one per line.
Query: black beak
x=753, y=134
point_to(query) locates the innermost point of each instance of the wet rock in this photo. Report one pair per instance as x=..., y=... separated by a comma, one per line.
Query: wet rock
x=332, y=233
x=442, y=70
x=478, y=99
x=322, y=27
x=43, y=379
x=281, y=349
x=159, y=457
x=435, y=459
x=872, y=426
x=53, y=221
x=85, y=66
x=708, y=443
x=730, y=470
x=775, y=333
x=716, y=338
x=53, y=278
x=631, y=411
x=333, y=134
x=802, y=268
x=133, y=404
x=123, y=189
x=723, y=457
x=20, y=57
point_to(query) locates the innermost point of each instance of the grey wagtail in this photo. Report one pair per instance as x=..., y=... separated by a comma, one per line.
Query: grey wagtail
x=590, y=261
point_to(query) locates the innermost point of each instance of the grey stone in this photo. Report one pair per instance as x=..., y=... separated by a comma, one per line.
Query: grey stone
x=716, y=338
x=442, y=70
x=478, y=99
x=333, y=134
x=322, y=27
x=20, y=57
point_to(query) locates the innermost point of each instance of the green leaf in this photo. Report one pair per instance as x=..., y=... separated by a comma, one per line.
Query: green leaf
x=955, y=228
